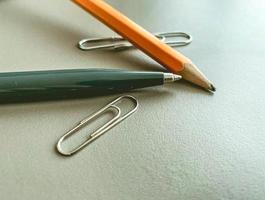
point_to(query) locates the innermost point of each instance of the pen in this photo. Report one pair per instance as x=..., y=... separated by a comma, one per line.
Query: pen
x=75, y=83
x=145, y=41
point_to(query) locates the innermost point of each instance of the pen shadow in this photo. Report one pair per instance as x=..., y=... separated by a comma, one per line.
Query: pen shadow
x=58, y=110
x=78, y=101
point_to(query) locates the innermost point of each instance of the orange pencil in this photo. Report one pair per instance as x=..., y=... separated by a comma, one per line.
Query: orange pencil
x=145, y=41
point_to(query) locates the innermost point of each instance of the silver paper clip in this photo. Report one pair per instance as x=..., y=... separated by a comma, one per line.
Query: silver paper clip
x=119, y=43
x=103, y=129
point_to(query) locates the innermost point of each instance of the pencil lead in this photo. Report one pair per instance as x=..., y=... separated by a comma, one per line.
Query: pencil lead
x=212, y=88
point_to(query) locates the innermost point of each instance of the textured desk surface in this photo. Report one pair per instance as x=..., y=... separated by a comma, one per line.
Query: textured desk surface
x=182, y=143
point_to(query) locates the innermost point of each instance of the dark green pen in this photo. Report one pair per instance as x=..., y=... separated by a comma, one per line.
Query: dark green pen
x=75, y=83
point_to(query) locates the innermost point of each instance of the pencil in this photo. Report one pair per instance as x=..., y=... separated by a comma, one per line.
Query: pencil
x=145, y=41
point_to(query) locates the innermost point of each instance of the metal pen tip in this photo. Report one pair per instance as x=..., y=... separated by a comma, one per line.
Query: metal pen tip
x=177, y=77
x=169, y=77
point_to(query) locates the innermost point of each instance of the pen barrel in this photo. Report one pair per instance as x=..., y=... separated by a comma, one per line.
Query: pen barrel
x=67, y=84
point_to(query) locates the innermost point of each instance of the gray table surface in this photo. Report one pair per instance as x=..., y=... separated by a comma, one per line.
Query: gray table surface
x=183, y=143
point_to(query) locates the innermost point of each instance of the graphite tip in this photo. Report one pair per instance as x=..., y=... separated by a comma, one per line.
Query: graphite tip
x=212, y=88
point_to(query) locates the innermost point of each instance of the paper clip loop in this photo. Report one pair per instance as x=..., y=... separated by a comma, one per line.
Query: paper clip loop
x=103, y=129
x=118, y=43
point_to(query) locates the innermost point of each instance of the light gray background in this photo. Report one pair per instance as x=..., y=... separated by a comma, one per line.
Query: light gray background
x=183, y=143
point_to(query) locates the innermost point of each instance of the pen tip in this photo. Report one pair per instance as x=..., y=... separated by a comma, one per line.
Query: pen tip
x=169, y=77
x=176, y=77
x=212, y=88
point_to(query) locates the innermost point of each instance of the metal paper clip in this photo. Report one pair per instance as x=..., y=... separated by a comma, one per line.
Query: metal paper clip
x=119, y=43
x=103, y=129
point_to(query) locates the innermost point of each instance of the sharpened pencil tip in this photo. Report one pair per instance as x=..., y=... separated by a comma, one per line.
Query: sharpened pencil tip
x=212, y=88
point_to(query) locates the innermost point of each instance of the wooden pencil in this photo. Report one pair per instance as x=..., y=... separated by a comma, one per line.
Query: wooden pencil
x=145, y=41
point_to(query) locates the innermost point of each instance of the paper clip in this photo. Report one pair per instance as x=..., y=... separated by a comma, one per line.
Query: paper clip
x=103, y=129
x=118, y=43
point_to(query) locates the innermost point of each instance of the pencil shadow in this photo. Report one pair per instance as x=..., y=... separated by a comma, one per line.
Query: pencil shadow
x=3, y=1
x=29, y=18
x=138, y=60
